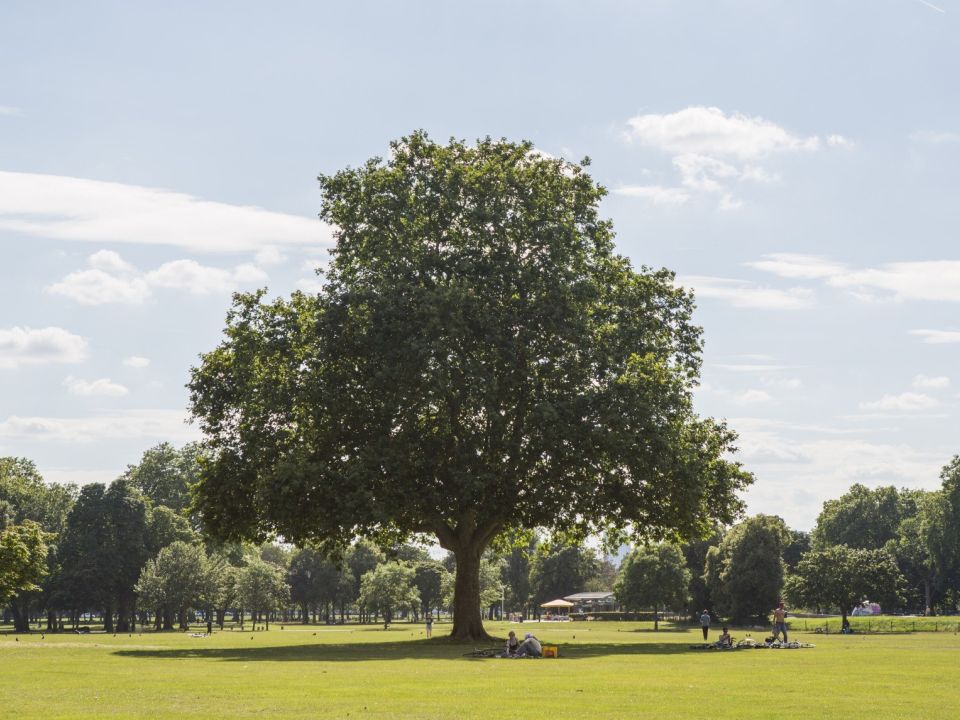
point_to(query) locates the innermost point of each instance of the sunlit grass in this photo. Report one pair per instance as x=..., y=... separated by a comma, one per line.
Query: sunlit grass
x=606, y=670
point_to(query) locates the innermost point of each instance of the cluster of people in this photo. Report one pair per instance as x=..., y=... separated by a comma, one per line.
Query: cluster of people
x=779, y=626
x=529, y=647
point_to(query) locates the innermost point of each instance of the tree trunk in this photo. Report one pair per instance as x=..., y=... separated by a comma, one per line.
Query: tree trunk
x=108, y=619
x=656, y=619
x=21, y=614
x=467, y=622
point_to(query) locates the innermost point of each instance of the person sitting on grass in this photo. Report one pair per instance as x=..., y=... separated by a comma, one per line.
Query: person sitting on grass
x=724, y=641
x=513, y=643
x=530, y=647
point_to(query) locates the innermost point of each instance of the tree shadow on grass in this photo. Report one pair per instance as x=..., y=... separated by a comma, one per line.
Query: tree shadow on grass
x=415, y=650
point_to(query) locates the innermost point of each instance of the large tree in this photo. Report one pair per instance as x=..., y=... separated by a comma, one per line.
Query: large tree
x=841, y=577
x=164, y=474
x=745, y=572
x=654, y=576
x=478, y=360
x=862, y=518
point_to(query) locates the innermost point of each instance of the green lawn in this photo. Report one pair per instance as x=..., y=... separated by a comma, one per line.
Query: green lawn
x=607, y=671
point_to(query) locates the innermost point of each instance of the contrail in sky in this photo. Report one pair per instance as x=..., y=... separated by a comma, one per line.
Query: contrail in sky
x=931, y=6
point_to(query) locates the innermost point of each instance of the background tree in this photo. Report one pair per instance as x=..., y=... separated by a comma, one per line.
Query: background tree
x=104, y=548
x=915, y=551
x=695, y=553
x=389, y=588
x=428, y=577
x=362, y=557
x=516, y=576
x=476, y=345
x=261, y=589
x=842, y=577
x=559, y=570
x=23, y=559
x=861, y=518
x=179, y=578
x=653, y=576
x=24, y=496
x=164, y=474
x=746, y=571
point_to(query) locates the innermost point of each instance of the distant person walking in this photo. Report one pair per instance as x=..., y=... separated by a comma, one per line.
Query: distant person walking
x=705, y=623
x=429, y=625
x=780, y=621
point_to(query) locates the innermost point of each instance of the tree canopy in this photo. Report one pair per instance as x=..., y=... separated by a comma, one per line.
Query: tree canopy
x=478, y=359
x=654, y=576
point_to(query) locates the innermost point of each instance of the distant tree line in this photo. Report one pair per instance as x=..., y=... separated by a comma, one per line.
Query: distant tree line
x=131, y=554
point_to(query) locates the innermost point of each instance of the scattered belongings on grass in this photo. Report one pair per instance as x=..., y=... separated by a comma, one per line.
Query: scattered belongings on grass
x=751, y=644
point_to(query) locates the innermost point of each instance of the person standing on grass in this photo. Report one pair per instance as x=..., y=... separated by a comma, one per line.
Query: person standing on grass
x=705, y=623
x=780, y=621
x=429, y=625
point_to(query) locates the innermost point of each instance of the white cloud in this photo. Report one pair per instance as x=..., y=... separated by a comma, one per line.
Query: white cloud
x=26, y=346
x=110, y=262
x=269, y=255
x=791, y=265
x=103, y=387
x=68, y=208
x=98, y=287
x=701, y=172
x=710, y=131
x=925, y=382
x=9, y=110
x=931, y=280
x=937, y=337
x=752, y=397
x=790, y=383
x=110, y=279
x=656, y=194
x=712, y=149
x=200, y=279
x=742, y=294
x=905, y=402
x=839, y=141
x=136, y=361
x=789, y=457
x=754, y=367
x=138, y=424
x=937, y=280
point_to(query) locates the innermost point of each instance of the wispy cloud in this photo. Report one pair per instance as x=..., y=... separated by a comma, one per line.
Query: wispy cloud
x=711, y=150
x=931, y=280
x=743, y=294
x=104, y=387
x=136, y=361
x=793, y=265
x=937, y=337
x=28, y=346
x=68, y=208
x=710, y=131
x=657, y=194
x=110, y=279
x=926, y=382
x=150, y=424
x=904, y=402
x=9, y=110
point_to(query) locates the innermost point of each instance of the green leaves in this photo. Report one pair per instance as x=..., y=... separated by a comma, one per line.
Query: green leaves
x=479, y=360
x=23, y=558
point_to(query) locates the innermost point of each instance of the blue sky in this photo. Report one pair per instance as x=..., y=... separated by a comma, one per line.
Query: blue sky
x=794, y=163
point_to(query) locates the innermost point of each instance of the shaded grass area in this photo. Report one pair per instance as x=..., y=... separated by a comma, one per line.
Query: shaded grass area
x=605, y=671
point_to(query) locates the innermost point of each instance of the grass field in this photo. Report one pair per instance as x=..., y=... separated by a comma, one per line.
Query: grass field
x=606, y=671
